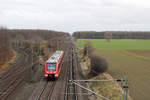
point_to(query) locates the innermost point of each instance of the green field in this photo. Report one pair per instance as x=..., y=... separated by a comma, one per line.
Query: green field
x=117, y=44
x=127, y=57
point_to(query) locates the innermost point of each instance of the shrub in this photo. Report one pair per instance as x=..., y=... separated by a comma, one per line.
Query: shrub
x=98, y=65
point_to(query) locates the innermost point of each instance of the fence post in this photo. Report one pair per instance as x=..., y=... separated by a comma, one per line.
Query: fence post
x=125, y=88
x=87, y=55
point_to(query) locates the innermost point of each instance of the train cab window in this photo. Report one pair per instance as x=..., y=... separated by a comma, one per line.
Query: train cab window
x=51, y=66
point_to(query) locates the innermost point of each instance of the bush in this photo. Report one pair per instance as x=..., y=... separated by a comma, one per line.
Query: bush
x=98, y=65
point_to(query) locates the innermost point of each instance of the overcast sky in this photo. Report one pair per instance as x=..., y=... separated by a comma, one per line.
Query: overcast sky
x=76, y=15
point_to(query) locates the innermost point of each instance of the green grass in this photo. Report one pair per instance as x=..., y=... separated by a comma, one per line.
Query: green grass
x=116, y=44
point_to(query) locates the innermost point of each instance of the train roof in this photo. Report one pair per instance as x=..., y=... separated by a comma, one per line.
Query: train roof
x=54, y=58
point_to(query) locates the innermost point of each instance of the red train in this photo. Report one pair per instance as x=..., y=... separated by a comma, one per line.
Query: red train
x=53, y=65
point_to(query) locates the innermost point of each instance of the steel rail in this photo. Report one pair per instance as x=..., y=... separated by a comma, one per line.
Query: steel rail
x=51, y=91
x=67, y=81
x=13, y=84
x=10, y=89
x=42, y=91
x=75, y=97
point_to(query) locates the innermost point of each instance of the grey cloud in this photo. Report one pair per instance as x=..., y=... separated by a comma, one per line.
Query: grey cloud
x=72, y=15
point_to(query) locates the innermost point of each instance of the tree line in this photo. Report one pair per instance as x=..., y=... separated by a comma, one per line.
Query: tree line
x=25, y=37
x=112, y=34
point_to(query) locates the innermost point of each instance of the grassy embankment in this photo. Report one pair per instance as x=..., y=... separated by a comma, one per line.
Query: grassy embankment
x=127, y=57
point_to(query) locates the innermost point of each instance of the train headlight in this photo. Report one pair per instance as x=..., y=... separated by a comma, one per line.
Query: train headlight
x=46, y=75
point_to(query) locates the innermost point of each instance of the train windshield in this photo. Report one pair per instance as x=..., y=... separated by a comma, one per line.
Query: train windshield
x=51, y=67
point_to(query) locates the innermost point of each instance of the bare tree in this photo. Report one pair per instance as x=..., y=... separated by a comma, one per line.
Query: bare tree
x=5, y=45
x=88, y=49
x=108, y=36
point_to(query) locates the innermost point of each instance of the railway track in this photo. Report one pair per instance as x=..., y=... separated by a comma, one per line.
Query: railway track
x=75, y=96
x=67, y=78
x=72, y=91
x=66, y=85
x=11, y=89
x=47, y=90
x=50, y=90
x=14, y=77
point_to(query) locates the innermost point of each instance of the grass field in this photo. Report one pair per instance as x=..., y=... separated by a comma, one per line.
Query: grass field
x=127, y=57
x=117, y=44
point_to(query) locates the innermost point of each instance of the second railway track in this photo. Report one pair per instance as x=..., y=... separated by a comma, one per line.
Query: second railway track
x=13, y=76
x=72, y=91
x=47, y=90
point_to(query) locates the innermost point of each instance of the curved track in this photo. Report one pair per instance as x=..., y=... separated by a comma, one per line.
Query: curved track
x=14, y=76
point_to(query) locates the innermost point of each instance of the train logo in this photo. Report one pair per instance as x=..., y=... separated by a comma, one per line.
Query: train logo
x=53, y=65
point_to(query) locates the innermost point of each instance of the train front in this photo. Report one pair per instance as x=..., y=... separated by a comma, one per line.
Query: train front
x=50, y=70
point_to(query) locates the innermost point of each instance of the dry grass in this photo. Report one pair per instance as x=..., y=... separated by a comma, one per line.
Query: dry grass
x=111, y=90
x=11, y=60
x=145, y=54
